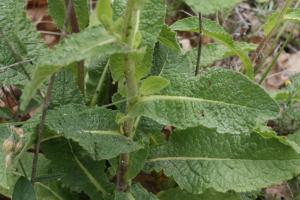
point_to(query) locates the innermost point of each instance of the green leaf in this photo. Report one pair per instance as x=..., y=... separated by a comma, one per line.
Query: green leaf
x=104, y=12
x=137, y=192
x=53, y=191
x=218, y=98
x=167, y=63
x=212, y=53
x=23, y=190
x=65, y=90
x=292, y=14
x=200, y=159
x=97, y=81
x=177, y=194
x=211, y=7
x=151, y=23
x=277, y=18
x=91, y=42
x=95, y=130
x=141, y=193
x=57, y=10
x=81, y=173
x=137, y=161
x=82, y=13
x=168, y=38
x=153, y=85
x=215, y=31
x=20, y=43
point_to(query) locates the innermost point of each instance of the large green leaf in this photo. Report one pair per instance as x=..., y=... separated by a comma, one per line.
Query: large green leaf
x=218, y=98
x=91, y=42
x=215, y=31
x=80, y=172
x=200, y=158
x=177, y=194
x=94, y=130
x=212, y=6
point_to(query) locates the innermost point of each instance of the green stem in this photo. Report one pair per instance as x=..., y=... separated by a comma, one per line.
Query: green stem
x=263, y=43
x=129, y=36
x=99, y=86
x=274, y=61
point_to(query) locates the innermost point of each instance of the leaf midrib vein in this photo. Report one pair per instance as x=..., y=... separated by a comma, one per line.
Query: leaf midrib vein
x=186, y=98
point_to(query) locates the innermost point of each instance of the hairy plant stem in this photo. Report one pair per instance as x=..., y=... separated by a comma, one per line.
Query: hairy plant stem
x=41, y=129
x=130, y=31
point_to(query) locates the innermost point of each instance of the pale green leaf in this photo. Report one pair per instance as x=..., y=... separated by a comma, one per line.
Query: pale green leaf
x=292, y=14
x=215, y=31
x=177, y=194
x=218, y=98
x=151, y=23
x=95, y=130
x=168, y=38
x=277, y=18
x=153, y=85
x=199, y=159
x=212, y=6
x=104, y=12
x=273, y=20
x=91, y=42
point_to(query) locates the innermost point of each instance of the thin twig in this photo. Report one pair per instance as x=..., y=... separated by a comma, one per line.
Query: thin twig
x=41, y=129
x=199, y=45
x=45, y=108
x=15, y=64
